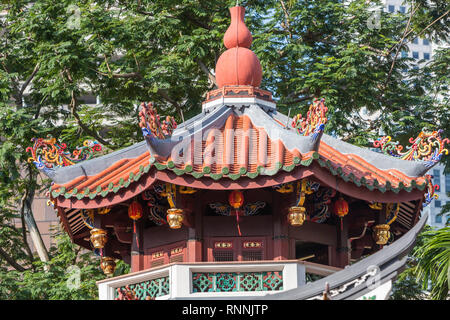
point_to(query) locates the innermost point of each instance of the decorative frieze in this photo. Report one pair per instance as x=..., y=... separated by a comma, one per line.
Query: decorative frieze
x=176, y=250
x=145, y=290
x=157, y=255
x=237, y=281
x=252, y=244
x=223, y=245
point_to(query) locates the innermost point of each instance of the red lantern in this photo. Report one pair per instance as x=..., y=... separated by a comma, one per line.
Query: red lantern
x=236, y=200
x=135, y=210
x=341, y=208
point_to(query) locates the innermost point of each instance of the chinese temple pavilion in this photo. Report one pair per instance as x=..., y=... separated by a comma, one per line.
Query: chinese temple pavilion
x=243, y=201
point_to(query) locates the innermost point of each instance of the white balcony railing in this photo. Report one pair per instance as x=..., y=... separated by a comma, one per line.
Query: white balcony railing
x=222, y=280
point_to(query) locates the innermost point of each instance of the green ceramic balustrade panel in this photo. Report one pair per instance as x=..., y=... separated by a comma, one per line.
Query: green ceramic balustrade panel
x=237, y=281
x=146, y=290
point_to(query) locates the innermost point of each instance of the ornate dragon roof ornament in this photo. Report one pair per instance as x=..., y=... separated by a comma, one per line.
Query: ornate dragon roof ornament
x=152, y=125
x=47, y=154
x=315, y=120
x=428, y=147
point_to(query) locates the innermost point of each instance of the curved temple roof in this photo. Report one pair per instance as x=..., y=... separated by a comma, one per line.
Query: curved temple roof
x=236, y=143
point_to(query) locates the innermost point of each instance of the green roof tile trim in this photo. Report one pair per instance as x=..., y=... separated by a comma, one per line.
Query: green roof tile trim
x=234, y=176
x=252, y=175
x=216, y=176
x=370, y=186
x=197, y=175
x=178, y=172
x=86, y=192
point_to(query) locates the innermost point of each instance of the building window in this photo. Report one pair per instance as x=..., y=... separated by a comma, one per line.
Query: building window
x=437, y=178
x=438, y=219
x=426, y=56
x=404, y=54
x=416, y=41
x=415, y=55
x=426, y=42
x=391, y=8
x=437, y=203
x=447, y=183
x=402, y=9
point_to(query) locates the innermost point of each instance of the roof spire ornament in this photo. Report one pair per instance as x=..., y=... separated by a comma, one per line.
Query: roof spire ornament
x=238, y=66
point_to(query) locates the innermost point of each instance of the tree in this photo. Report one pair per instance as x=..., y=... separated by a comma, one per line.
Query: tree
x=71, y=274
x=433, y=265
x=54, y=53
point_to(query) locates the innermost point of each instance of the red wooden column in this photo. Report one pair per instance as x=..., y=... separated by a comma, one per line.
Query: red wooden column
x=280, y=229
x=342, y=249
x=137, y=244
x=194, y=243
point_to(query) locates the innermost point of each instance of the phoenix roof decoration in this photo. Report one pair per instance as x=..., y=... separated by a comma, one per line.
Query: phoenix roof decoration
x=315, y=120
x=151, y=123
x=47, y=154
x=428, y=147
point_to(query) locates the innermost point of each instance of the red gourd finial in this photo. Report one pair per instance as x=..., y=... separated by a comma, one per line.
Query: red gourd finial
x=237, y=34
x=238, y=66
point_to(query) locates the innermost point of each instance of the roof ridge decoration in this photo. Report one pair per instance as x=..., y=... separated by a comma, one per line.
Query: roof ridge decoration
x=430, y=195
x=152, y=125
x=314, y=123
x=428, y=147
x=48, y=154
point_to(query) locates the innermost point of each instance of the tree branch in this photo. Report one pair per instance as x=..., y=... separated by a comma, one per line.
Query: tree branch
x=24, y=230
x=163, y=93
x=120, y=75
x=299, y=100
x=287, y=26
x=211, y=77
x=405, y=33
x=27, y=82
x=10, y=260
x=73, y=109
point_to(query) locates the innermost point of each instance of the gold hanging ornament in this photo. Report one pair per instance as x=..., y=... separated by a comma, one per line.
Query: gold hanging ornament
x=175, y=216
x=98, y=238
x=297, y=214
x=381, y=233
x=108, y=266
